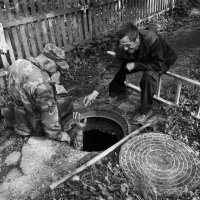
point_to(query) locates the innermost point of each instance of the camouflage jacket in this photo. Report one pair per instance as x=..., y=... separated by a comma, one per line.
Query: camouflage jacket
x=31, y=99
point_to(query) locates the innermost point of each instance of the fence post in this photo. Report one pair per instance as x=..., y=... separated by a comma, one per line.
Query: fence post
x=13, y=30
x=89, y=16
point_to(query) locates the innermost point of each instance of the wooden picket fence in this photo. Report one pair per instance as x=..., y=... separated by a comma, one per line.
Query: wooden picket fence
x=30, y=24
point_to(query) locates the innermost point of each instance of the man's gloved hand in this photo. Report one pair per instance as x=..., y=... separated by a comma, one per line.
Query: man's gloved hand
x=90, y=98
x=77, y=132
x=130, y=66
x=77, y=120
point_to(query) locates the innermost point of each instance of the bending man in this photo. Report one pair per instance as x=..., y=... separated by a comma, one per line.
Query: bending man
x=139, y=50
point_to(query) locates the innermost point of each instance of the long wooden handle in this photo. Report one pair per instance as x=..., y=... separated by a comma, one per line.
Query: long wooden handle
x=98, y=157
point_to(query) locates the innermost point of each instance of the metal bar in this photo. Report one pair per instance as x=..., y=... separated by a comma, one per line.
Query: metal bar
x=159, y=87
x=194, y=82
x=179, y=87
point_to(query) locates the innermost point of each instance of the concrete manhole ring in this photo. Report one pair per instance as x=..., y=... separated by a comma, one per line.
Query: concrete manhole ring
x=103, y=129
x=108, y=114
x=161, y=162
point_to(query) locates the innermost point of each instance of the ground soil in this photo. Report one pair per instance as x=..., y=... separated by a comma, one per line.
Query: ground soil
x=105, y=179
x=183, y=34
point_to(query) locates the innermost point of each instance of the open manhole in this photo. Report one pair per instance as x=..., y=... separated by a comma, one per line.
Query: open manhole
x=103, y=129
x=155, y=160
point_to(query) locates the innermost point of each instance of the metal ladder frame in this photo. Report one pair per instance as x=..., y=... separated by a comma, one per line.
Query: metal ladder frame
x=181, y=80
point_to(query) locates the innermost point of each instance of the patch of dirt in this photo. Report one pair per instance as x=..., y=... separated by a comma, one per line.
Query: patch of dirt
x=105, y=179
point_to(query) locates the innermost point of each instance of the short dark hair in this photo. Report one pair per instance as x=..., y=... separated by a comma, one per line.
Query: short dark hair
x=129, y=30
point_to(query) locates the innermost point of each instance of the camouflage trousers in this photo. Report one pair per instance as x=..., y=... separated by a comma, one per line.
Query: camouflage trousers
x=15, y=116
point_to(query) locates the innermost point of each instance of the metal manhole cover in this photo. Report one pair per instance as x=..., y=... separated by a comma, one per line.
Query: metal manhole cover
x=168, y=165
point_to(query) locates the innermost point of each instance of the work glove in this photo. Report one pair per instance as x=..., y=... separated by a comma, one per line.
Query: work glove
x=77, y=130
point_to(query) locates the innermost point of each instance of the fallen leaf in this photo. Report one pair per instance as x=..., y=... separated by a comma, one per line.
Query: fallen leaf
x=75, y=178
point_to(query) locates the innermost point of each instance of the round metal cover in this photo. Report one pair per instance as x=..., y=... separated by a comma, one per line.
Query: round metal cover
x=156, y=159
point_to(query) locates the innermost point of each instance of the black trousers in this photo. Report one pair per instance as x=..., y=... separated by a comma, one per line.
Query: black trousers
x=148, y=86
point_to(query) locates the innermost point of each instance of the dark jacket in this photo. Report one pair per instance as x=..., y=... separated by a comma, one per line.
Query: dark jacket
x=154, y=54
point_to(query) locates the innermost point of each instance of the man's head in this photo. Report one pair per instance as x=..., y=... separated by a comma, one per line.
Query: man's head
x=46, y=64
x=52, y=59
x=129, y=38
